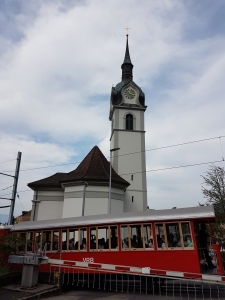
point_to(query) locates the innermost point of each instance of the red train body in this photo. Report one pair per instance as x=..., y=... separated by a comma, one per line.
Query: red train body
x=156, y=239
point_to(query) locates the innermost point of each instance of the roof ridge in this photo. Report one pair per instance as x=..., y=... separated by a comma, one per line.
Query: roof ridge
x=101, y=154
x=91, y=157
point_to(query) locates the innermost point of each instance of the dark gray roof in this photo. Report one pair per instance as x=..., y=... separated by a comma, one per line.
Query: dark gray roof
x=189, y=213
x=94, y=168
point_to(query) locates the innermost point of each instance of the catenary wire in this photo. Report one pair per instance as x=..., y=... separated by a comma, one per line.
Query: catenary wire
x=17, y=192
x=20, y=201
x=153, y=149
x=177, y=167
x=155, y=170
x=7, y=161
x=6, y=188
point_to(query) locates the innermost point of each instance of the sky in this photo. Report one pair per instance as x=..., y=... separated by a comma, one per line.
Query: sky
x=58, y=62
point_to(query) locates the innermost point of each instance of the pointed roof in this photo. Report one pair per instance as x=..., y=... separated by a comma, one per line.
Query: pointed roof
x=94, y=168
x=127, y=59
x=127, y=67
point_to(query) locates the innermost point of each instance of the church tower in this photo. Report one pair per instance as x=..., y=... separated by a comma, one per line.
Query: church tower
x=127, y=108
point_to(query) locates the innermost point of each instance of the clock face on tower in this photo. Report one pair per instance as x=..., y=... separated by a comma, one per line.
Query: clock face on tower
x=129, y=93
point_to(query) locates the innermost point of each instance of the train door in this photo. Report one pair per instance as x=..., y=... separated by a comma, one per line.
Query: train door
x=204, y=243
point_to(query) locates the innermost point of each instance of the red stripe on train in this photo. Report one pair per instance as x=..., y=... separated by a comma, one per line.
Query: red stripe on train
x=192, y=275
x=158, y=272
x=70, y=263
x=120, y=268
x=96, y=266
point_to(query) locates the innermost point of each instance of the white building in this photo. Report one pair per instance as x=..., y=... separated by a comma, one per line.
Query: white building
x=61, y=195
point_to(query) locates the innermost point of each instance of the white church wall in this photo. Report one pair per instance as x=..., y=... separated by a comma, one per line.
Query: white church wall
x=49, y=210
x=47, y=204
x=96, y=200
x=96, y=206
x=117, y=206
x=131, y=167
x=72, y=207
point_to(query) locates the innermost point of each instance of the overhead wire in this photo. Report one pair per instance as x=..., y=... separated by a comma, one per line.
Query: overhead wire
x=177, y=167
x=155, y=170
x=153, y=149
x=7, y=161
x=6, y=188
x=17, y=192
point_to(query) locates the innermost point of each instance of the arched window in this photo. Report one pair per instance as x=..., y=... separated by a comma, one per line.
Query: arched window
x=129, y=122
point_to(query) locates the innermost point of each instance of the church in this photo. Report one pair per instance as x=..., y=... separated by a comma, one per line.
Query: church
x=107, y=187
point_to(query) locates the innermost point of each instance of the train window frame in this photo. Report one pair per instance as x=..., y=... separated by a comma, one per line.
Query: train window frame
x=182, y=247
x=17, y=234
x=67, y=239
x=49, y=242
x=188, y=234
x=97, y=239
x=32, y=241
x=109, y=239
x=57, y=243
x=37, y=244
x=151, y=237
x=129, y=246
x=117, y=237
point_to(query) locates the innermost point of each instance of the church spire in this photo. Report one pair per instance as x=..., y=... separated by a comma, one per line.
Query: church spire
x=127, y=66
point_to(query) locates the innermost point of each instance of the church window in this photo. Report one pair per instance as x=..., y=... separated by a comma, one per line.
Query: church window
x=129, y=122
x=132, y=198
x=132, y=177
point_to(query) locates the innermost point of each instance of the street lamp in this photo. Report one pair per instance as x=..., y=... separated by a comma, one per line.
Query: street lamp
x=110, y=178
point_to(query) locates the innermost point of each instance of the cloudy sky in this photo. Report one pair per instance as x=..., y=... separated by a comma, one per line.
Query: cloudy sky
x=58, y=61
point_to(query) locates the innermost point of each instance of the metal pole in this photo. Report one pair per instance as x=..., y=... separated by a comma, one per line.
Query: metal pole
x=110, y=178
x=14, y=188
x=110, y=183
x=84, y=193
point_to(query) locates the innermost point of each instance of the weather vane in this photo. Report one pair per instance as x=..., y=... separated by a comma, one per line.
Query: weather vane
x=127, y=28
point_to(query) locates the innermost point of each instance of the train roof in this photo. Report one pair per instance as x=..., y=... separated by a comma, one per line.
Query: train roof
x=189, y=213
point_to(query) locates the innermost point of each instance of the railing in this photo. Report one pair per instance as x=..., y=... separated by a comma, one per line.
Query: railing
x=137, y=280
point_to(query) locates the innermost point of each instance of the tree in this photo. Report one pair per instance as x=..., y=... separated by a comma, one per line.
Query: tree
x=213, y=190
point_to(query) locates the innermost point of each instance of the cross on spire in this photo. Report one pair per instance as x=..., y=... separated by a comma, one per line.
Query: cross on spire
x=127, y=28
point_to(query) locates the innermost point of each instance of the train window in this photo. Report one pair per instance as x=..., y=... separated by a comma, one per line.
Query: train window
x=21, y=241
x=103, y=238
x=93, y=240
x=125, y=238
x=64, y=239
x=29, y=241
x=160, y=235
x=73, y=239
x=173, y=235
x=186, y=235
x=148, y=237
x=46, y=239
x=114, y=237
x=136, y=236
x=38, y=241
x=83, y=239
x=55, y=240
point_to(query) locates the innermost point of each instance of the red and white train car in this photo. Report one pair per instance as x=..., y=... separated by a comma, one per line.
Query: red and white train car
x=156, y=239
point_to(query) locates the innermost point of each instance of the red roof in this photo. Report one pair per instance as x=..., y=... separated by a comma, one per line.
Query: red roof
x=94, y=167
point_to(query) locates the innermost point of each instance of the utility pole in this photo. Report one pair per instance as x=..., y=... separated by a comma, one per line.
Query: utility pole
x=14, y=191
